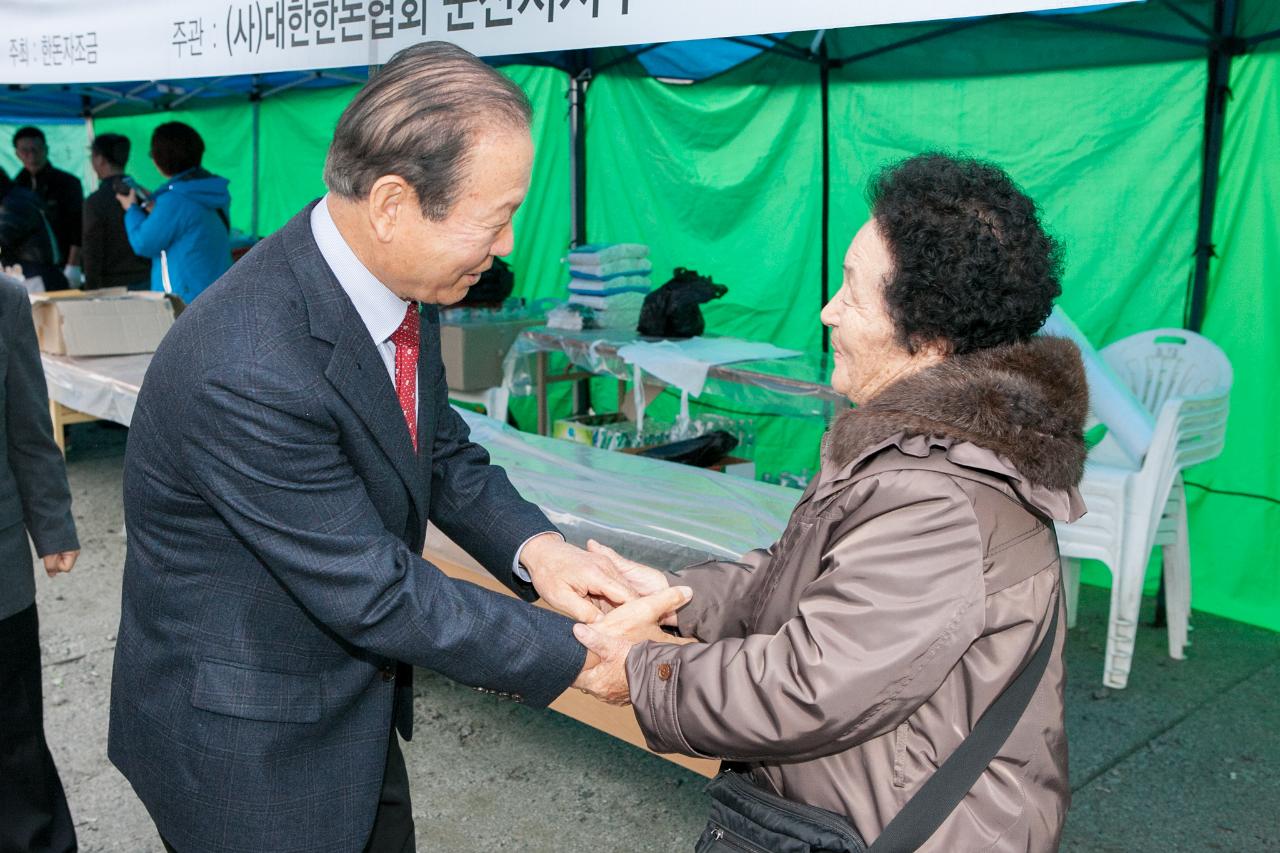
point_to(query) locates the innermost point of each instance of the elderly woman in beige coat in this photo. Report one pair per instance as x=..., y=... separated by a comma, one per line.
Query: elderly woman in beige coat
x=919, y=572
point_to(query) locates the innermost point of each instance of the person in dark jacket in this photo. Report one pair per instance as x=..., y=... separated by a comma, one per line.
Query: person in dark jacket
x=185, y=227
x=59, y=191
x=34, y=500
x=106, y=256
x=25, y=236
x=274, y=597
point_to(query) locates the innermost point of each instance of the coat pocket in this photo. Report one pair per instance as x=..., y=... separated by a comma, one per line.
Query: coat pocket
x=256, y=694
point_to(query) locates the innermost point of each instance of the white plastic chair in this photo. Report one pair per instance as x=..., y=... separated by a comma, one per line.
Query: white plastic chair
x=1185, y=380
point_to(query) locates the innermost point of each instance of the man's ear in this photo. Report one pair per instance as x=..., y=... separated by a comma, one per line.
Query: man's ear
x=386, y=205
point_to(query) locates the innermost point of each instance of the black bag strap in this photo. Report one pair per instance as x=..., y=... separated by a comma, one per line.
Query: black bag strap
x=938, y=797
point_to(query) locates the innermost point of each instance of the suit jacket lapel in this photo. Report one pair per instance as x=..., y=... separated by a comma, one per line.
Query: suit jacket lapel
x=355, y=369
x=428, y=358
x=359, y=375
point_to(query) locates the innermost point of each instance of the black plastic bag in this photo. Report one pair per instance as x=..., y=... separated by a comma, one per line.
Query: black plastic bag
x=702, y=451
x=672, y=310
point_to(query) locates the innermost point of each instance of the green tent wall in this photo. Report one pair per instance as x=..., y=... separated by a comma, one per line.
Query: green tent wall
x=725, y=176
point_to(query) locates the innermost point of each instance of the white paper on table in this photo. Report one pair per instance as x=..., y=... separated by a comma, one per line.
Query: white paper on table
x=685, y=364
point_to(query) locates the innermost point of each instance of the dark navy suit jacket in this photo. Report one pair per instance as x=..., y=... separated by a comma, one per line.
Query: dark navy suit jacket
x=274, y=595
x=33, y=478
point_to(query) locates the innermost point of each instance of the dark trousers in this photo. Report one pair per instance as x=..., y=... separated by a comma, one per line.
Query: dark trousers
x=393, y=824
x=34, y=817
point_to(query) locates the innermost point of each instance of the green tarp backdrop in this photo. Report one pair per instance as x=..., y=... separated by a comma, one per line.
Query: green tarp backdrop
x=725, y=176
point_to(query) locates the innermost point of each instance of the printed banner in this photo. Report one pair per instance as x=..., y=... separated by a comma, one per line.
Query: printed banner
x=85, y=41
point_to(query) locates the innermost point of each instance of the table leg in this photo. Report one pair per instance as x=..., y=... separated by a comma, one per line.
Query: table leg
x=582, y=397
x=540, y=391
x=59, y=435
x=61, y=417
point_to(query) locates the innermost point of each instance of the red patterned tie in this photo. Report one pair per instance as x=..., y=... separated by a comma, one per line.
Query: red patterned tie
x=406, y=340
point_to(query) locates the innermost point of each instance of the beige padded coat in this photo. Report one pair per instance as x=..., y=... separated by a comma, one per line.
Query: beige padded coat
x=915, y=578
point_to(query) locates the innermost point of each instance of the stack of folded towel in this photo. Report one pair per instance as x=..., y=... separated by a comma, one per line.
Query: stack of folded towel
x=612, y=280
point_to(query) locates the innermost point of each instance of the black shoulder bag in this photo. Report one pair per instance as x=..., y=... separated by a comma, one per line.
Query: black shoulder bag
x=746, y=818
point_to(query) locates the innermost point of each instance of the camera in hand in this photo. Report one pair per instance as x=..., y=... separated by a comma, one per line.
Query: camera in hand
x=123, y=184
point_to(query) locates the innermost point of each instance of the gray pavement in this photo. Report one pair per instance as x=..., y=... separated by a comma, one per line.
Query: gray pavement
x=1186, y=758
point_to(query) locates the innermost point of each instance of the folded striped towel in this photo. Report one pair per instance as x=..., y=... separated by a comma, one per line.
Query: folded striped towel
x=598, y=254
x=622, y=284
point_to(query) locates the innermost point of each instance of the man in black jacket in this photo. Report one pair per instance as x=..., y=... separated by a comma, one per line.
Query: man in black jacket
x=25, y=236
x=35, y=500
x=105, y=254
x=60, y=191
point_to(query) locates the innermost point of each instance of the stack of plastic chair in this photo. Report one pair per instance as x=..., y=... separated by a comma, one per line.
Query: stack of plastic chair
x=1185, y=381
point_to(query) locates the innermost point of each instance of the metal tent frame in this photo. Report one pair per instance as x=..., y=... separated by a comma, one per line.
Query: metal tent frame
x=1217, y=40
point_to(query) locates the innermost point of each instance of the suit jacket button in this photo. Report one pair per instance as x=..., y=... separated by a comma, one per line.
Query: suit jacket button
x=664, y=671
x=389, y=672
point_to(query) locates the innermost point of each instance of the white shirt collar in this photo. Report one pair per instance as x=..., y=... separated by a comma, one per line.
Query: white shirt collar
x=380, y=309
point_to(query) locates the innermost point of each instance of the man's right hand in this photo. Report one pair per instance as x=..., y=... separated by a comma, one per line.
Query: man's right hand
x=580, y=585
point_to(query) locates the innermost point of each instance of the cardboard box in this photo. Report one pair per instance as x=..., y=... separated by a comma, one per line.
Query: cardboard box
x=582, y=428
x=473, y=352
x=101, y=322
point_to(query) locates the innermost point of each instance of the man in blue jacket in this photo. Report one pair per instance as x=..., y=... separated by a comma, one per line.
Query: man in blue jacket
x=291, y=441
x=185, y=227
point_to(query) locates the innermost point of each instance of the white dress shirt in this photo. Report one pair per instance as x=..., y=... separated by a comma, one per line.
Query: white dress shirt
x=380, y=309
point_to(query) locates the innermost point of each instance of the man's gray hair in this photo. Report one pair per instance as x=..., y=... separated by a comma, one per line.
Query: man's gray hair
x=416, y=118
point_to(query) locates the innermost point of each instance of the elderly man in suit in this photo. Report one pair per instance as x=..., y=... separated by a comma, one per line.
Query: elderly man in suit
x=291, y=441
x=35, y=500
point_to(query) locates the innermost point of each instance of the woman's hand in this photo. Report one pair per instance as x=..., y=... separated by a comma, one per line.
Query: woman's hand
x=127, y=201
x=645, y=580
x=610, y=638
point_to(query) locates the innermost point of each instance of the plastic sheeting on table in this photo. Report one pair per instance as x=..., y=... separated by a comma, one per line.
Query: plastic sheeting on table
x=685, y=364
x=788, y=386
x=105, y=387
x=659, y=513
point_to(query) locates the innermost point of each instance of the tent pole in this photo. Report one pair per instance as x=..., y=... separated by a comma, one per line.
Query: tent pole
x=824, y=77
x=578, y=155
x=91, y=133
x=255, y=99
x=1261, y=37
x=1225, y=45
x=578, y=83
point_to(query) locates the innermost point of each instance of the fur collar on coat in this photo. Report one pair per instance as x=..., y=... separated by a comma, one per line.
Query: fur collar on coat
x=1026, y=402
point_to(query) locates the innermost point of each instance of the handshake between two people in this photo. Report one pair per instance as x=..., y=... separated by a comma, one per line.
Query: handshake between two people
x=617, y=602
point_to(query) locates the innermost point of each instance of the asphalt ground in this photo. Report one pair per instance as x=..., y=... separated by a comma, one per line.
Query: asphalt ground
x=1187, y=758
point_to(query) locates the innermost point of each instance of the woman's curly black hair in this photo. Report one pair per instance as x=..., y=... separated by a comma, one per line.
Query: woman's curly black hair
x=973, y=268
